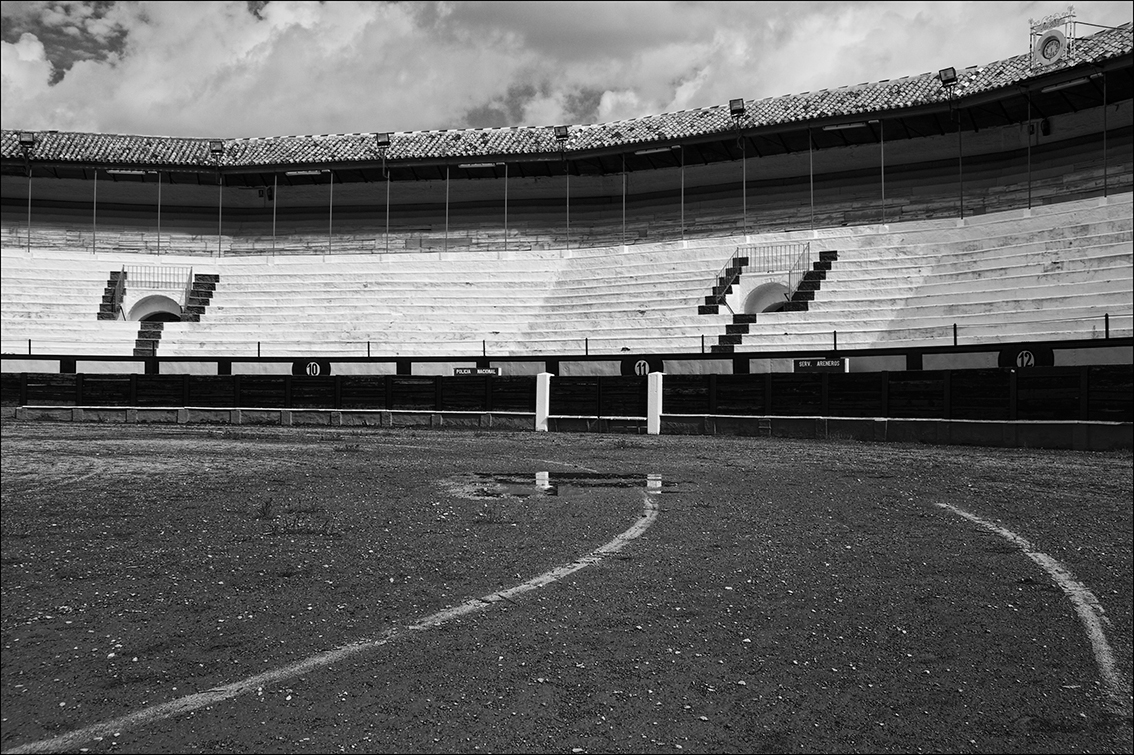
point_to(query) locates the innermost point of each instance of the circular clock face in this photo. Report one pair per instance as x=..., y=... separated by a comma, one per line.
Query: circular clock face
x=1050, y=48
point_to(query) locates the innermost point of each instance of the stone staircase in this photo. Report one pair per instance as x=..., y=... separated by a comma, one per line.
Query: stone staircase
x=112, y=297
x=809, y=285
x=200, y=294
x=149, y=334
x=811, y=282
x=729, y=275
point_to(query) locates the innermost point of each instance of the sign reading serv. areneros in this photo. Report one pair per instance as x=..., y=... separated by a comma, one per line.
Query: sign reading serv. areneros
x=834, y=364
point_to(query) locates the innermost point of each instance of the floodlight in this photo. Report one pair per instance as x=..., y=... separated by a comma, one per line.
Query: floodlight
x=27, y=139
x=216, y=147
x=1068, y=84
x=561, y=133
x=382, y=140
x=736, y=108
x=948, y=77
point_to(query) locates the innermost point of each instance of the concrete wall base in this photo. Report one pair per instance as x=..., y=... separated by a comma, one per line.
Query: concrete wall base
x=1079, y=436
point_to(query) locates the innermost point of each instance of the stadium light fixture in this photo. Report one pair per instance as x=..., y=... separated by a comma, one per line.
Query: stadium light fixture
x=1068, y=84
x=561, y=133
x=382, y=140
x=216, y=147
x=736, y=108
x=27, y=139
x=947, y=77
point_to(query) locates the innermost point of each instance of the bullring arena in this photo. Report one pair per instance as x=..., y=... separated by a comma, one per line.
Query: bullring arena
x=791, y=425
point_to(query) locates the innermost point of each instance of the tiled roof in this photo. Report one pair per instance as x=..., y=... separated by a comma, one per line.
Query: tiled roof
x=313, y=150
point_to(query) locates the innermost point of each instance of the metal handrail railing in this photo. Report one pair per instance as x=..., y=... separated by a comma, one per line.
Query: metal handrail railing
x=188, y=291
x=790, y=259
x=726, y=277
x=158, y=277
x=119, y=293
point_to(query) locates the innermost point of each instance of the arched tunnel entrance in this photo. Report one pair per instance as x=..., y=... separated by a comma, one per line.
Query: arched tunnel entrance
x=156, y=308
x=769, y=297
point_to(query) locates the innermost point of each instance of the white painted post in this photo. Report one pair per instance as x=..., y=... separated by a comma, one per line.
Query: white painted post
x=654, y=403
x=542, y=401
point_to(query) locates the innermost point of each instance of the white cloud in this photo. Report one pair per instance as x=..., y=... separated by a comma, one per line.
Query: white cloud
x=196, y=68
x=24, y=73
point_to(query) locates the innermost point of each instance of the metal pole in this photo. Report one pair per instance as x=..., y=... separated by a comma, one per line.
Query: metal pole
x=330, y=211
x=744, y=185
x=387, y=213
x=568, y=206
x=446, y=246
x=94, y=215
x=1028, y=134
x=220, y=210
x=811, y=175
x=623, y=200
x=159, y=212
x=29, y=209
x=505, y=206
x=275, y=190
x=1104, y=176
x=960, y=164
x=882, y=144
x=683, y=193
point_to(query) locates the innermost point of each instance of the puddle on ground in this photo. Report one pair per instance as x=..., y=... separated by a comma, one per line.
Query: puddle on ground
x=489, y=485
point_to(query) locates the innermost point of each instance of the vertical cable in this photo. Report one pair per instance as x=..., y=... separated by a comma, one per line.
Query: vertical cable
x=29, y=208
x=1028, y=134
x=811, y=176
x=220, y=210
x=94, y=215
x=882, y=143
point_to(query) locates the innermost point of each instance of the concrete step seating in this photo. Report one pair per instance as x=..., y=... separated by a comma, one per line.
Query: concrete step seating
x=438, y=300
x=1022, y=276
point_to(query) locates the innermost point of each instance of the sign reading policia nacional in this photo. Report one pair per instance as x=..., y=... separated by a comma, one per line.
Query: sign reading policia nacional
x=476, y=370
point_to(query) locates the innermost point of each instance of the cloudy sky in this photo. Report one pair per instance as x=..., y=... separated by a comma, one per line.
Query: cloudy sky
x=233, y=69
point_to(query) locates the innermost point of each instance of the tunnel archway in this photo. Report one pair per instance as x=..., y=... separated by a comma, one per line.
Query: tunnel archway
x=156, y=308
x=769, y=297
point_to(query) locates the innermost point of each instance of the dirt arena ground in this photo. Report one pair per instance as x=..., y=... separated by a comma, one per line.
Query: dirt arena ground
x=210, y=589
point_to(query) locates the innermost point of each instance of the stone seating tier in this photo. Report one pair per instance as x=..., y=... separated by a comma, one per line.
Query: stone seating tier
x=1048, y=273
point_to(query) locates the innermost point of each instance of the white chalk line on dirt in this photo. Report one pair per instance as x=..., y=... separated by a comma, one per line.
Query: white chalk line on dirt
x=1087, y=606
x=217, y=695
